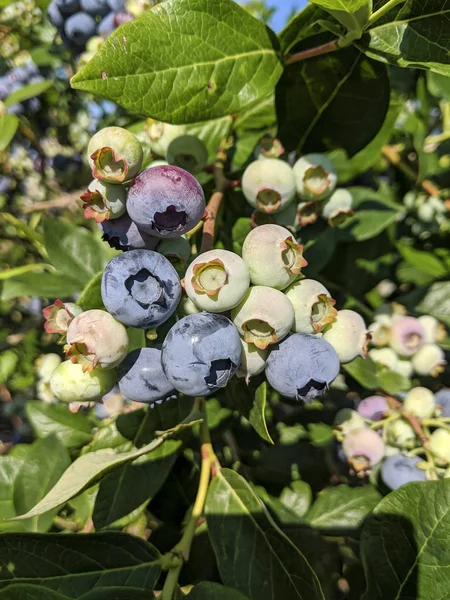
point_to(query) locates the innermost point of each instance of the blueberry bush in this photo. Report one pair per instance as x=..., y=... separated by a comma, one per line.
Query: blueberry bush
x=224, y=300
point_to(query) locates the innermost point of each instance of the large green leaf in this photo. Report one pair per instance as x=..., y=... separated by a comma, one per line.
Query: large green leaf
x=9, y=469
x=257, y=416
x=25, y=591
x=413, y=35
x=253, y=554
x=186, y=61
x=341, y=509
x=404, y=544
x=89, y=468
x=46, y=285
x=353, y=14
x=73, y=565
x=206, y=590
x=337, y=100
x=44, y=465
x=74, y=251
x=72, y=429
x=8, y=128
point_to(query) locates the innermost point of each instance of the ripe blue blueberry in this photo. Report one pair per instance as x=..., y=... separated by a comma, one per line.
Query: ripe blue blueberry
x=107, y=25
x=141, y=377
x=166, y=201
x=116, y=5
x=442, y=399
x=124, y=234
x=54, y=14
x=302, y=367
x=95, y=8
x=201, y=353
x=400, y=469
x=67, y=7
x=140, y=288
x=79, y=28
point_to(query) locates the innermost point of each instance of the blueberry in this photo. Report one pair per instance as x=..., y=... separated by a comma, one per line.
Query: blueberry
x=141, y=377
x=166, y=201
x=201, y=353
x=399, y=469
x=302, y=366
x=95, y=8
x=123, y=234
x=107, y=25
x=67, y=7
x=116, y=5
x=442, y=399
x=363, y=448
x=373, y=408
x=79, y=28
x=141, y=288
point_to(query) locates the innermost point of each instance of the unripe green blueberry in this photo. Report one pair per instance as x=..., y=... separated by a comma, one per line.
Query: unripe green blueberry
x=380, y=330
x=69, y=383
x=363, y=447
x=268, y=147
x=404, y=367
x=409, y=199
x=265, y=316
x=420, y=402
x=188, y=152
x=429, y=360
x=115, y=155
x=96, y=339
x=338, y=207
x=347, y=420
x=400, y=433
x=434, y=331
x=44, y=392
x=157, y=163
x=217, y=280
x=348, y=335
x=384, y=356
x=439, y=445
x=307, y=213
x=46, y=364
x=313, y=306
x=268, y=185
x=273, y=256
x=426, y=213
x=177, y=251
x=59, y=315
x=407, y=336
x=102, y=201
x=253, y=361
x=161, y=134
x=315, y=177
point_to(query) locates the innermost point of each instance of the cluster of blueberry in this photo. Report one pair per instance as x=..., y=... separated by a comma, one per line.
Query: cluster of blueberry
x=14, y=80
x=78, y=21
x=405, y=344
x=387, y=435
x=247, y=313
x=428, y=215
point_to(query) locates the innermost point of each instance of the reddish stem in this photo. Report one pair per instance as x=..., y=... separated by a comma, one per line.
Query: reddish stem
x=317, y=51
x=412, y=420
x=209, y=226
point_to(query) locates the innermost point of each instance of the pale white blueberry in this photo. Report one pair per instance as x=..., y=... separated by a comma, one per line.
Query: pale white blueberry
x=96, y=339
x=407, y=336
x=313, y=306
x=273, y=256
x=46, y=364
x=439, y=445
x=161, y=134
x=404, y=367
x=253, y=361
x=429, y=360
x=265, y=316
x=69, y=383
x=385, y=357
x=420, y=402
x=434, y=330
x=269, y=185
x=348, y=335
x=338, y=207
x=380, y=330
x=400, y=433
x=217, y=280
x=347, y=420
x=363, y=447
x=315, y=177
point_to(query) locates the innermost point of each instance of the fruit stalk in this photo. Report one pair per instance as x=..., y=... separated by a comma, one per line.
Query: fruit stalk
x=213, y=206
x=332, y=46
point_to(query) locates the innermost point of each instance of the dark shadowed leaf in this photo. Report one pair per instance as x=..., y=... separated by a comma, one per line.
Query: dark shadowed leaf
x=206, y=590
x=91, y=296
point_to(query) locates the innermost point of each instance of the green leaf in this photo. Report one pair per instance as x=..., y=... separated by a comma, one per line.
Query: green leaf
x=306, y=23
x=352, y=14
x=239, y=525
x=404, y=543
x=74, y=565
x=364, y=370
x=73, y=250
x=8, y=363
x=434, y=301
x=427, y=262
x=24, y=591
x=257, y=416
x=206, y=590
x=438, y=85
x=297, y=497
x=392, y=382
x=87, y=469
x=341, y=509
x=91, y=296
x=9, y=469
x=28, y=91
x=8, y=128
x=240, y=230
x=45, y=285
x=337, y=100
x=42, y=468
x=373, y=213
x=212, y=133
x=72, y=429
x=225, y=61
x=412, y=35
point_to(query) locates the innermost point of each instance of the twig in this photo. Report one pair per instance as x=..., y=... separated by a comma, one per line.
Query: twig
x=412, y=420
x=213, y=206
x=64, y=201
x=395, y=159
x=289, y=59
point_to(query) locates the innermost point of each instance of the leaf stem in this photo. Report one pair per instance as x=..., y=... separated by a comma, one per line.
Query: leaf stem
x=210, y=466
x=332, y=46
x=382, y=11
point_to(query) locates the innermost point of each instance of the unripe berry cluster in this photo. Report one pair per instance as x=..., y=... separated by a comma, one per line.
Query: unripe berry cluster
x=405, y=344
x=78, y=21
x=428, y=215
x=402, y=441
